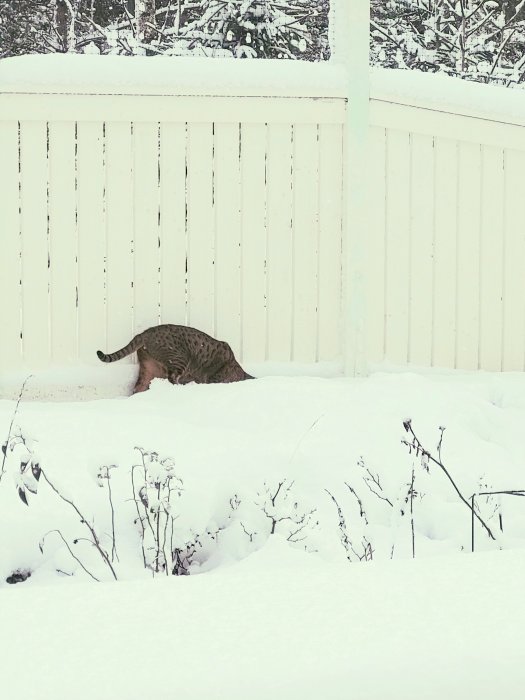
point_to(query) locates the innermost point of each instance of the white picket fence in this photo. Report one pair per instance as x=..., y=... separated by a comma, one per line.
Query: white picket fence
x=226, y=211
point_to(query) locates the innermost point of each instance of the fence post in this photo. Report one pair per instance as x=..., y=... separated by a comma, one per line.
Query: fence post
x=350, y=35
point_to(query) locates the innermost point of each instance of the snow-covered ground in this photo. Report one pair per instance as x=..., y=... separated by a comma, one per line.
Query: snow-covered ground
x=331, y=605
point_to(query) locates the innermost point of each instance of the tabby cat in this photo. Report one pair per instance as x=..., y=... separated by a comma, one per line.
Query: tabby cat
x=181, y=354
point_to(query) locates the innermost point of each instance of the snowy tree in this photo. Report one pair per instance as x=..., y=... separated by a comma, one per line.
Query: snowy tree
x=145, y=18
x=65, y=22
x=480, y=40
x=25, y=27
x=296, y=29
x=258, y=28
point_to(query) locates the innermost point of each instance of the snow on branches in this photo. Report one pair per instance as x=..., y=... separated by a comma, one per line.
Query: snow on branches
x=482, y=40
x=235, y=28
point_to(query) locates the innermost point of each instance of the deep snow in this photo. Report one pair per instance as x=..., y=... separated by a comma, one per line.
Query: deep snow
x=261, y=616
x=281, y=624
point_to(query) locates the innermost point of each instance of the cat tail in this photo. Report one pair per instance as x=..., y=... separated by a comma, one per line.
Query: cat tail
x=123, y=352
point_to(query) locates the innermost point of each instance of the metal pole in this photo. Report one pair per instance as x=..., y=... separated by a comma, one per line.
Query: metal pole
x=472, y=517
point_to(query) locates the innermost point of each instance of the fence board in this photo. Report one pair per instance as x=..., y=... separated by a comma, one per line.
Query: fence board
x=514, y=264
x=146, y=241
x=119, y=231
x=376, y=247
x=421, y=249
x=10, y=260
x=397, y=246
x=491, y=257
x=227, y=204
x=34, y=229
x=62, y=242
x=468, y=260
x=254, y=241
x=305, y=242
x=200, y=223
x=173, y=291
x=329, y=328
x=445, y=254
x=91, y=240
x=280, y=251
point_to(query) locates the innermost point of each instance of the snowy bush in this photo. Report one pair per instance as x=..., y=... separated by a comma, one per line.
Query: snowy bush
x=170, y=544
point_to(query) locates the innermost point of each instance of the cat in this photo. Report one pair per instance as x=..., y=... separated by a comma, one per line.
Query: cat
x=182, y=355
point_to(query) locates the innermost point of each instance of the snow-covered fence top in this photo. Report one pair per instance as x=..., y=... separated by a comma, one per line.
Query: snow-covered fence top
x=98, y=75
x=443, y=94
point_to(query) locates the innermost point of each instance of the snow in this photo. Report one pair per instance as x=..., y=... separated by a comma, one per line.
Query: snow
x=276, y=626
x=92, y=74
x=448, y=94
x=261, y=615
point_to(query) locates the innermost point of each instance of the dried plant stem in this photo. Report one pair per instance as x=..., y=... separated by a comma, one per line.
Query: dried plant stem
x=114, y=554
x=362, y=513
x=157, y=523
x=139, y=516
x=146, y=509
x=72, y=553
x=345, y=539
x=6, y=444
x=412, y=513
x=95, y=540
x=425, y=454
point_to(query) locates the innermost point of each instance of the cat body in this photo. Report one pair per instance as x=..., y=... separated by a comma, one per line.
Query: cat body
x=180, y=354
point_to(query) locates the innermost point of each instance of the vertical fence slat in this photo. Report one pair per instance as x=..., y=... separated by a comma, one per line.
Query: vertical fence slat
x=280, y=253
x=305, y=241
x=254, y=268
x=62, y=242
x=445, y=213
x=200, y=226
x=146, y=233
x=119, y=232
x=91, y=240
x=421, y=249
x=329, y=344
x=376, y=260
x=35, y=272
x=10, y=271
x=469, y=193
x=491, y=253
x=397, y=246
x=514, y=264
x=173, y=223
x=227, y=235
